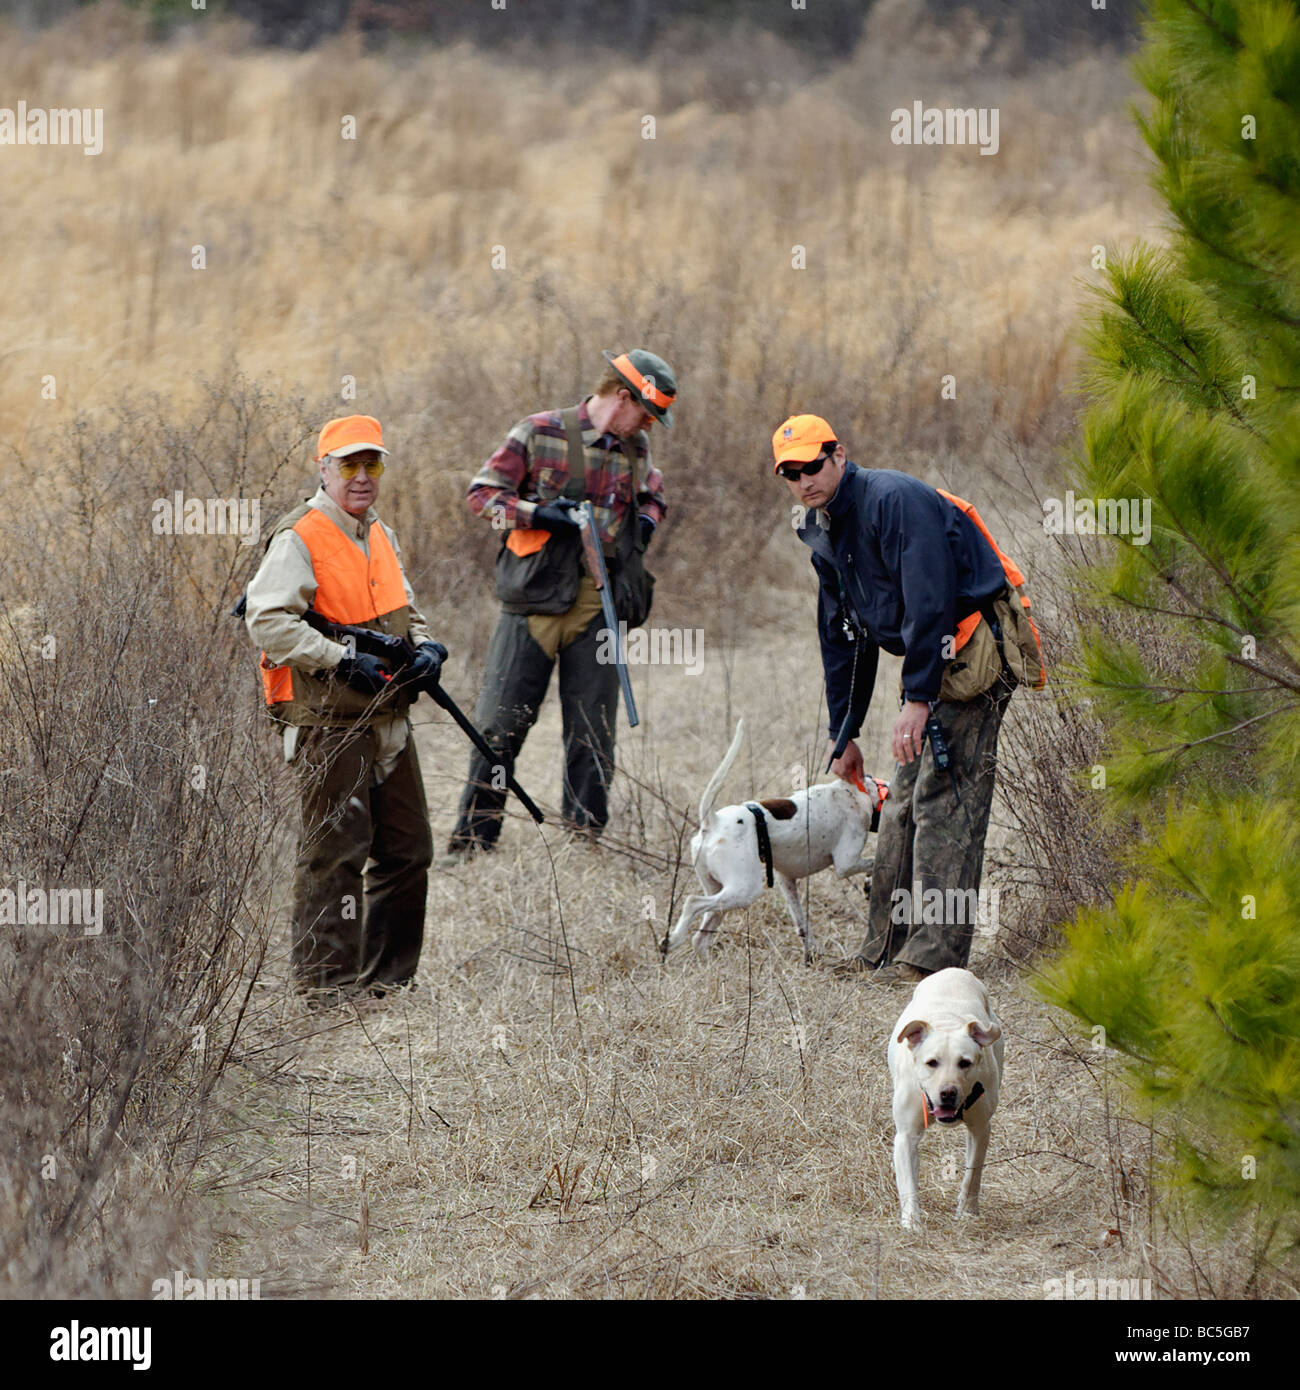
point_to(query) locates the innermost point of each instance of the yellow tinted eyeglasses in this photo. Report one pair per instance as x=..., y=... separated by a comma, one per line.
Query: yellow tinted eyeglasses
x=348, y=468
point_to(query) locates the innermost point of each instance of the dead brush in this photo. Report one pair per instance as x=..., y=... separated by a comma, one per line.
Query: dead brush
x=128, y=774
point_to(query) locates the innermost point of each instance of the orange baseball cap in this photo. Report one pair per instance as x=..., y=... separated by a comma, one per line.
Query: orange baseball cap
x=800, y=439
x=349, y=435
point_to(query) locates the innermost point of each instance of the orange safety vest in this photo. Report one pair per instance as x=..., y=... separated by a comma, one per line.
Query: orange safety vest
x=966, y=628
x=350, y=588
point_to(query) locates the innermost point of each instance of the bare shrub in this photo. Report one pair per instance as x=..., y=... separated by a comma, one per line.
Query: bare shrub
x=134, y=775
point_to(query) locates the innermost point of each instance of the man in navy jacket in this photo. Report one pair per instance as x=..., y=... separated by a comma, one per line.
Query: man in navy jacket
x=899, y=567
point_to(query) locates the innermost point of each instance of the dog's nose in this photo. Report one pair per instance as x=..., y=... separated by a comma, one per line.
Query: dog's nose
x=949, y=1097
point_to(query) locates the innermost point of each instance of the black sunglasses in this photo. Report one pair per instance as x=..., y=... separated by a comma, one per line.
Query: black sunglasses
x=810, y=470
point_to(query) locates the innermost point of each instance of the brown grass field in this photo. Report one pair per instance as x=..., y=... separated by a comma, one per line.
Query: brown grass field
x=555, y=1112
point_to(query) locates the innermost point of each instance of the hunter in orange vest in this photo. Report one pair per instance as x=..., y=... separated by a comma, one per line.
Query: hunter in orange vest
x=912, y=570
x=345, y=723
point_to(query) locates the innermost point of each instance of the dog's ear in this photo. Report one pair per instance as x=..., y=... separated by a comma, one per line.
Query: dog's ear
x=984, y=1035
x=913, y=1032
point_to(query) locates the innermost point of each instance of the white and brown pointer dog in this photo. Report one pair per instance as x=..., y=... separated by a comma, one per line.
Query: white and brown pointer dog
x=739, y=849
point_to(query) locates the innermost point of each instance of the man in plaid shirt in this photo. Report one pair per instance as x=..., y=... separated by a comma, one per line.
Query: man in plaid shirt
x=551, y=608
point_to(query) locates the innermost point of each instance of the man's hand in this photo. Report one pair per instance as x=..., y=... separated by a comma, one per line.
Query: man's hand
x=426, y=669
x=557, y=515
x=364, y=673
x=849, y=767
x=908, y=729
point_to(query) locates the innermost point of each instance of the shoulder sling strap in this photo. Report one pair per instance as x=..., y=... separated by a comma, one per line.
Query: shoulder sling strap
x=576, y=487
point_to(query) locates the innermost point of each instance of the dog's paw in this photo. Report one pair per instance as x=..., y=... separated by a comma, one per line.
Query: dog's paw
x=702, y=941
x=910, y=1220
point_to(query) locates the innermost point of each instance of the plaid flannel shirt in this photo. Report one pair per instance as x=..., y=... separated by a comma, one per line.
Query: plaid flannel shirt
x=533, y=465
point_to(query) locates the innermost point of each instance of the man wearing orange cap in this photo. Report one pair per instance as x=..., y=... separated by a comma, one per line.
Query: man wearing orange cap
x=551, y=611
x=346, y=728
x=900, y=567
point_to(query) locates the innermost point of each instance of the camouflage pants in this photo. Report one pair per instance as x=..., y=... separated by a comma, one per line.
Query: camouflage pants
x=514, y=686
x=932, y=837
x=353, y=926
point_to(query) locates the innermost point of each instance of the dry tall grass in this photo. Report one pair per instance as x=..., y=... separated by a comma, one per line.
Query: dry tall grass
x=555, y=1111
x=373, y=258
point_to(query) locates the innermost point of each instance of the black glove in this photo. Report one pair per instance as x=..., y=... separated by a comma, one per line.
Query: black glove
x=557, y=515
x=647, y=530
x=365, y=673
x=426, y=669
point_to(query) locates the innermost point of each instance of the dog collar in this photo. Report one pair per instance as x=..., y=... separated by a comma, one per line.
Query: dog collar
x=881, y=790
x=764, y=841
x=977, y=1090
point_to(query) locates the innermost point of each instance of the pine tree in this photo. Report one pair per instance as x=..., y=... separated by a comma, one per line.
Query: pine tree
x=1194, y=402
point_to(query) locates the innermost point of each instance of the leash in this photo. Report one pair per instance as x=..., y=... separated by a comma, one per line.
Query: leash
x=856, y=635
x=893, y=898
x=764, y=839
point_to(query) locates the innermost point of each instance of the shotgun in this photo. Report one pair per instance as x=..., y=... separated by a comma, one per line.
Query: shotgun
x=399, y=654
x=595, y=557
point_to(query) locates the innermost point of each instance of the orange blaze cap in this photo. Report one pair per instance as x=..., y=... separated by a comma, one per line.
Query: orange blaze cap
x=349, y=435
x=623, y=366
x=800, y=439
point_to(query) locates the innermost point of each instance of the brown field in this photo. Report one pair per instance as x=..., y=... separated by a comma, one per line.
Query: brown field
x=555, y=1112
x=558, y=1114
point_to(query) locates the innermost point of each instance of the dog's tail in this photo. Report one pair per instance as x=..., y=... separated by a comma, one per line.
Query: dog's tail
x=720, y=776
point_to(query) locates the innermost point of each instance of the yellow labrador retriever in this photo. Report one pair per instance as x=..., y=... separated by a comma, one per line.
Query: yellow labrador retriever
x=945, y=1055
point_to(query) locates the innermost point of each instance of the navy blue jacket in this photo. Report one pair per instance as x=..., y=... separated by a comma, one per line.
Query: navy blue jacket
x=904, y=565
